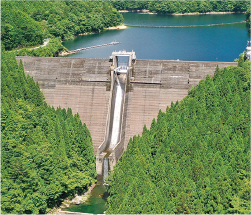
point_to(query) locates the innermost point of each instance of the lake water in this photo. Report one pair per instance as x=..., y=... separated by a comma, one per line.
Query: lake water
x=202, y=43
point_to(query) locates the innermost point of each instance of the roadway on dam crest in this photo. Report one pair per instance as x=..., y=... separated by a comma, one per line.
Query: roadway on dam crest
x=83, y=85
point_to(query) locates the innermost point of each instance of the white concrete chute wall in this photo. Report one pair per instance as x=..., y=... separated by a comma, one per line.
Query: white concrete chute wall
x=115, y=120
x=118, y=148
x=117, y=110
x=114, y=116
x=119, y=75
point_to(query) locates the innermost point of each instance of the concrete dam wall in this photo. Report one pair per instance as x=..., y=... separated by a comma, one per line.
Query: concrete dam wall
x=84, y=86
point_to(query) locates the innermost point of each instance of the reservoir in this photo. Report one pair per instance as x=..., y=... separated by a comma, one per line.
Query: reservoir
x=171, y=37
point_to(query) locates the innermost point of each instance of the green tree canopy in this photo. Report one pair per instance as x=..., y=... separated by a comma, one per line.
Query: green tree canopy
x=195, y=158
x=27, y=23
x=182, y=6
x=46, y=154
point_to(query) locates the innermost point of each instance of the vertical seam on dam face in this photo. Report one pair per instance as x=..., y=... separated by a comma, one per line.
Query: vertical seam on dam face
x=86, y=86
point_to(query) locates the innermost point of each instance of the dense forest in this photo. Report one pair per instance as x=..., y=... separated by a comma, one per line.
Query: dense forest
x=248, y=17
x=27, y=23
x=183, y=6
x=195, y=159
x=46, y=154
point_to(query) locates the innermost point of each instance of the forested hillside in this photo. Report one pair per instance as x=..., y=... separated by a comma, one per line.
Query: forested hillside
x=183, y=6
x=46, y=154
x=195, y=158
x=248, y=18
x=52, y=49
x=27, y=23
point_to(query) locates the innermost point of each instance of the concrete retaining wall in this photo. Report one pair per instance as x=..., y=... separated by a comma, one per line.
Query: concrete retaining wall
x=84, y=85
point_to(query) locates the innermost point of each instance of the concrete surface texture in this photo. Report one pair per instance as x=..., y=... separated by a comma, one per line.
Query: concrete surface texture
x=84, y=86
x=166, y=82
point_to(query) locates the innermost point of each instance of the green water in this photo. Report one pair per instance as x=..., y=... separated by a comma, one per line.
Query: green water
x=96, y=202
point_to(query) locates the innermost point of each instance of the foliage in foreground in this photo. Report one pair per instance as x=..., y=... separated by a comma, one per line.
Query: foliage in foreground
x=195, y=158
x=27, y=23
x=46, y=154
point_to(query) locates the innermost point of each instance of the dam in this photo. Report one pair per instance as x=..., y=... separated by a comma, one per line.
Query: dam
x=88, y=87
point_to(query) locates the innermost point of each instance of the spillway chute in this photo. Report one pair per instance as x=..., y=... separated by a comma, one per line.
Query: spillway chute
x=112, y=147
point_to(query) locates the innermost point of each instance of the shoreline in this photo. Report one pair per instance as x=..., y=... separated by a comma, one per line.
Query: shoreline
x=65, y=53
x=177, y=14
x=76, y=201
x=119, y=27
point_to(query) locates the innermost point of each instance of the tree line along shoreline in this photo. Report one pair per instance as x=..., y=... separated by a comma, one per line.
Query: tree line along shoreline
x=182, y=6
x=176, y=14
x=61, y=20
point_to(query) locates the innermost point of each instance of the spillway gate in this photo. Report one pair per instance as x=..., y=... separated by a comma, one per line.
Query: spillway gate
x=112, y=148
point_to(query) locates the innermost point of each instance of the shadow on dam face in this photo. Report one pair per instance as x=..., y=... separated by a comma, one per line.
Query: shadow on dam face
x=84, y=85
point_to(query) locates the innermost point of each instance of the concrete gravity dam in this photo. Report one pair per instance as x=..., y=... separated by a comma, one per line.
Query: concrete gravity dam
x=115, y=97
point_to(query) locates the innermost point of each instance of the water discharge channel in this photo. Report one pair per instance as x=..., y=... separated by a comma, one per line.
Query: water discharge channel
x=96, y=203
x=117, y=105
x=119, y=74
x=110, y=151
